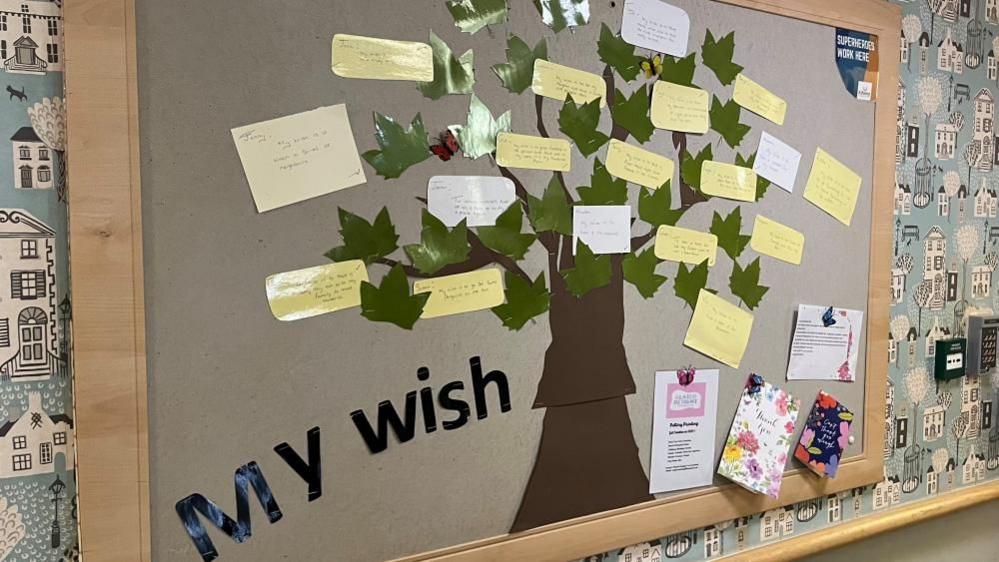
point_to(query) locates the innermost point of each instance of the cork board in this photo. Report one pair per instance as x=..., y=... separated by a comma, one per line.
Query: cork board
x=228, y=382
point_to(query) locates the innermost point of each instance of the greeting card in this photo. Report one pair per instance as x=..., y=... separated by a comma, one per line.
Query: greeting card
x=758, y=443
x=826, y=434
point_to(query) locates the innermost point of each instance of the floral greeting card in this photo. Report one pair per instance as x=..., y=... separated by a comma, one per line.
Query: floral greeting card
x=826, y=434
x=758, y=443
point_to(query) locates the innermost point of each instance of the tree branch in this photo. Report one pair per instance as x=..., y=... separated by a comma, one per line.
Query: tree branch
x=479, y=256
x=688, y=196
x=617, y=132
x=549, y=242
x=639, y=242
x=539, y=104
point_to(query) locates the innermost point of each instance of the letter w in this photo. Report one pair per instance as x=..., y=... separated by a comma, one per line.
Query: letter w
x=239, y=530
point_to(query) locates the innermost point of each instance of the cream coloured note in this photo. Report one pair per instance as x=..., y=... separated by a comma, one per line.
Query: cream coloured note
x=298, y=157
x=371, y=58
x=679, y=108
x=556, y=81
x=304, y=293
x=533, y=153
x=759, y=100
x=719, y=179
x=776, y=240
x=691, y=247
x=719, y=329
x=833, y=187
x=638, y=165
x=463, y=292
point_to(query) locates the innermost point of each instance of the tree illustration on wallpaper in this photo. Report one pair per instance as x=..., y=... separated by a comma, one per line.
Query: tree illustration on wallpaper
x=587, y=460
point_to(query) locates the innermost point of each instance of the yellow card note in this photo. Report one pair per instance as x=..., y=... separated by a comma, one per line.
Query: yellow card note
x=774, y=239
x=729, y=181
x=759, y=100
x=679, y=108
x=305, y=293
x=555, y=81
x=833, y=187
x=684, y=245
x=382, y=59
x=464, y=292
x=719, y=329
x=638, y=165
x=533, y=153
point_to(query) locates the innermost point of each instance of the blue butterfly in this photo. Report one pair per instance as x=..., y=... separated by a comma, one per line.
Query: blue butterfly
x=754, y=384
x=827, y=317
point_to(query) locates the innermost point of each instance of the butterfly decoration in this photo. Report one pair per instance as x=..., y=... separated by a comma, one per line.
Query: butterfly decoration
x=447, y=147
x=754, y=384
x=827, y=317
x=686, y=376
x=652, y=66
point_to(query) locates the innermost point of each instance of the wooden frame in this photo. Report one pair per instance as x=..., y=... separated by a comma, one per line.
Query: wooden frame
x=106, y=241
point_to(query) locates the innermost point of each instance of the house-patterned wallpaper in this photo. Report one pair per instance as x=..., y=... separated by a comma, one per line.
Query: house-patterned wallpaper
x=38, y=505
x=946, y=249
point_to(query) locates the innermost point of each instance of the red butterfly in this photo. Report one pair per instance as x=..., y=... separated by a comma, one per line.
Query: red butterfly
x=686, y=376
x=447, y=148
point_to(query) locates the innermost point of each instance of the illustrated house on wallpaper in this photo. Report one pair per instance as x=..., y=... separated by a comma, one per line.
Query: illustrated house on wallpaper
x=934, y=253
x=900, y=131
x=943, y=202
x=952, y=281
x=889, y=419
x=986, y=201
x=992, y=66
x=912, y=144
x=903, y=199
x=642, y=552
x=933, y=423
x=25, y=26
x=892, y=348
x=777, y=523
x=973, y=468
x=28, y=313
x=981, y=281
x=971, y=404
x=992, y=11
x=946, y=141
x=713, y=541
x=741, y=525
x=936, y=332
x=983, y=134
x=901, y=431
x=29, y=444
x=834, y=507
x=888, y=492
x=965, y=9
x=950, y=54
x=32, y=160
x=932, y=481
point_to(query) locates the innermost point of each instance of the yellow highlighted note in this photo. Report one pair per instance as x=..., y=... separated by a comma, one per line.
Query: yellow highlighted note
x=729, y=181
x=774, y=239
x=555, y=81
x=638, y=165
x=833, y=187
x=691, y=247
x=533, y=153
x=464, y=292
x=759, y=100
x=305, y=293
x=382, y=59
x=719, y=329
x=679, y=108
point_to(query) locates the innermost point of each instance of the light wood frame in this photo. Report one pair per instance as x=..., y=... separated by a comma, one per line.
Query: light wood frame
x=109, y=331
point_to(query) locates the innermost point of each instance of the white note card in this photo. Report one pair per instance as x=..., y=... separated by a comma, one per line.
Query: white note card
x=298, y=157
x=826, y=344
x=777, y=162
x=606, y=229
x=683, y=430
x=657, y=26
x=478, y=199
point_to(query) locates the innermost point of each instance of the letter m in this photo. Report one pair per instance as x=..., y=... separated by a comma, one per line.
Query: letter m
x=238, y=530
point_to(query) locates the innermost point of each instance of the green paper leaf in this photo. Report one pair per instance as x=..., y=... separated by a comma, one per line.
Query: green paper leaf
x=619, y=55
x=605, y=189
x=363, y=240
x=761, y=183
x=478, y=136
x=679, y=71
x=451, y=75
x=654, y=206
x=391, y=302
x=524, y=301
x=640, y=271
x=689, y=282
x=591, y=271
x=717, y=55
x=579, y=123
x=727, y=231
x=560, y=14
x=506, y=237
x=518, y=73
x=472, y=15
x=400, y=148
x=745, y=283
x=725, y=120
x=690, y=167
x=438, y=247
x=633, y=114
x=552, y=212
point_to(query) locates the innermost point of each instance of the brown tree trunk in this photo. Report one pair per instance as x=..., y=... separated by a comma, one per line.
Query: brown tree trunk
x=587, y=459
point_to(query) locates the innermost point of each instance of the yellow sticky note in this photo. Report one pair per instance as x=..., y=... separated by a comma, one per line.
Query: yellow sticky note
x=638, y=165
x=774, y=239
x=729, y=181
x=533, y=153
x=684, y=245
x=759, y=100
x=679, y=108
x=464, y=292
x=719, y=329
x=305, y=293
x=355, y=56
x=555, y=81
x=833, y=187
